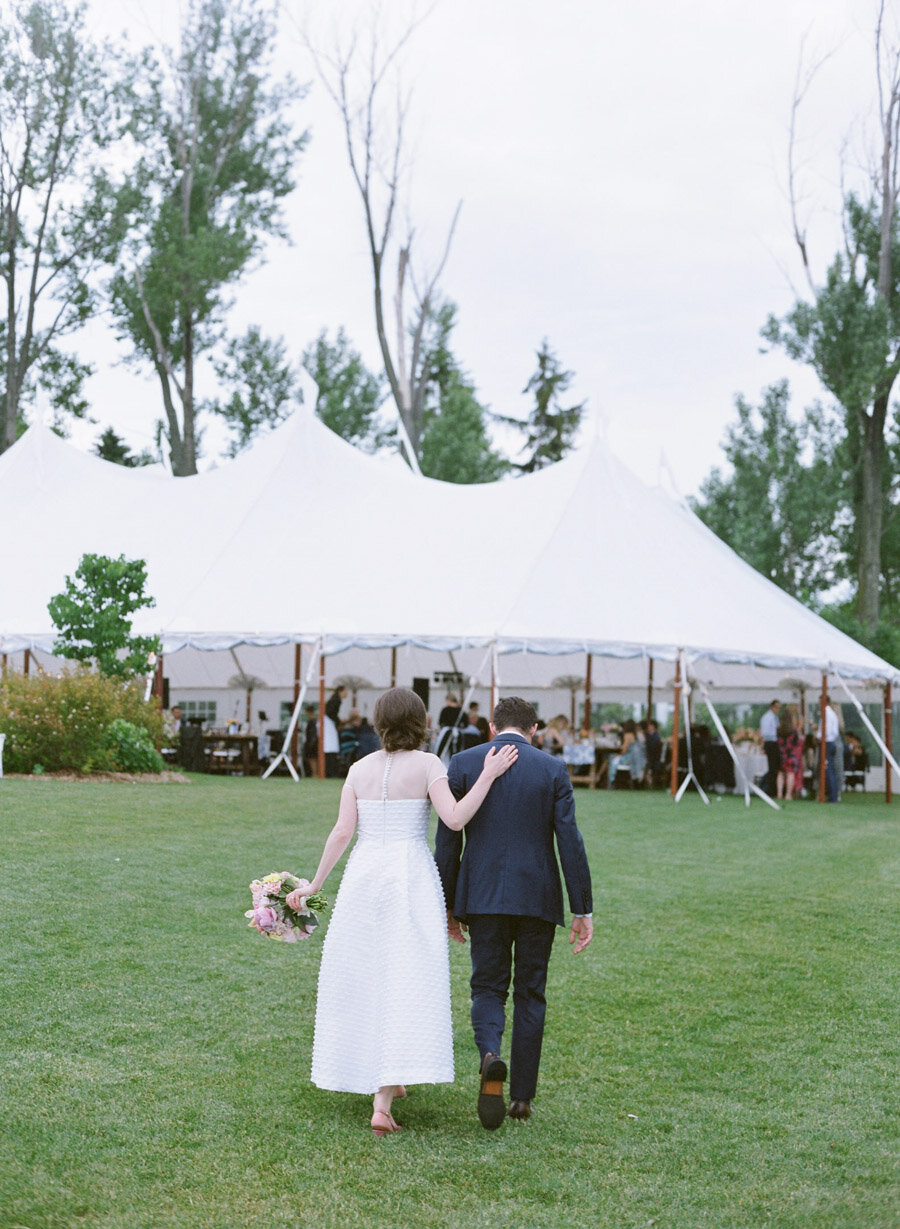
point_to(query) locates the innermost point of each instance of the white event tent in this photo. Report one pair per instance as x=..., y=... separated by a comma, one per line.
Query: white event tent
x=579, y=569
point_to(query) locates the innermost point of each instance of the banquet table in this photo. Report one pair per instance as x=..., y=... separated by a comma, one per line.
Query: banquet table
x=752, y=763
x=587, y=762
x=237, y=754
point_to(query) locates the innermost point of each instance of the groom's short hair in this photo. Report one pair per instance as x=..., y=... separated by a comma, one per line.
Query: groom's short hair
x=514, y=712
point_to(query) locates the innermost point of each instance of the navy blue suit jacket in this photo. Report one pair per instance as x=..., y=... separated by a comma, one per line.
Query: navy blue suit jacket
x=508, y=862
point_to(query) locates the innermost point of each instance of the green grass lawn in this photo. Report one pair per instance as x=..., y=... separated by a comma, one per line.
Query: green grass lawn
x=724, y=1054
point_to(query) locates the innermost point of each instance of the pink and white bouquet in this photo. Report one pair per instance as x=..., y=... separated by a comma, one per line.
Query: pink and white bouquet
x=271, y=915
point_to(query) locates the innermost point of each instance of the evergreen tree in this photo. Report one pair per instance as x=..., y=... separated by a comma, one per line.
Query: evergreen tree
x=350, y=395
x=550, y=429
x=111, y=447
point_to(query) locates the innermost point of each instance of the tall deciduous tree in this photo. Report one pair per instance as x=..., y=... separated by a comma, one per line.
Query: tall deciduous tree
x=261, y=383
x=263, y=388
x=219, y=158
x=61, y=217
x=550, y=429
x=848, y=329
x=782, y=507
x=362, y=78
x=350, y=395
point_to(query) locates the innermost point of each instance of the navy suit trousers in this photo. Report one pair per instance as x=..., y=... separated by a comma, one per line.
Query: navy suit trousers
x=505, y=946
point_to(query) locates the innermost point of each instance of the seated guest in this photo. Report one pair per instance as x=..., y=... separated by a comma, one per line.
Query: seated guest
x=624, y=758
x=556, y=735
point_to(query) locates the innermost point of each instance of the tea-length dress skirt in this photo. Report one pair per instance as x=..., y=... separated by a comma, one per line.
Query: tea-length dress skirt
x=383, y=1005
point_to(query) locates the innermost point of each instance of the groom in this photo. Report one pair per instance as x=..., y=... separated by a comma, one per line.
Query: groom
x=504, y=887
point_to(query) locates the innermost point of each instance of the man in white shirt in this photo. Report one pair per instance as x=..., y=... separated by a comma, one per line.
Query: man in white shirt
x=832, y=734
x=768, y=728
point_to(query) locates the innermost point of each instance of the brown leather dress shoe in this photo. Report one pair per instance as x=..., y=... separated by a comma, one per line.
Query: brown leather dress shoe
x=491, y=1105
x=520, y=1110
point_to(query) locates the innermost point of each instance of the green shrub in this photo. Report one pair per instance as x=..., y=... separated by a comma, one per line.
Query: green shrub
x=61, y=721
x=132, y=747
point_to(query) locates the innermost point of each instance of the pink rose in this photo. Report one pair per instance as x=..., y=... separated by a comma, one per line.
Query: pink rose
x=265, y=917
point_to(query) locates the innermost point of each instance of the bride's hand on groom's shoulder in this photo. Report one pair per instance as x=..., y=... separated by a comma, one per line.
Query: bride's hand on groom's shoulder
x=499, y=760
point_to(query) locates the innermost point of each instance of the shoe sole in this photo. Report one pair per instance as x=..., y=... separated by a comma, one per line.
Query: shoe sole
x=491, y=1103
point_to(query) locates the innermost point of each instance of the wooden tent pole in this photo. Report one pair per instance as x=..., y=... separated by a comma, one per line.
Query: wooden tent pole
x=394, y=666
x=295, y=736
x=649, y=713
x=587, y=694
x=888, y=742
x=158, y=685
x=823, y=704
x=26, y=669
x=320, y=759
x=673, y=779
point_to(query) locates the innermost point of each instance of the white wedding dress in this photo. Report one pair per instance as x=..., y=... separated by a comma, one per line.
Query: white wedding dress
x=383, y=1006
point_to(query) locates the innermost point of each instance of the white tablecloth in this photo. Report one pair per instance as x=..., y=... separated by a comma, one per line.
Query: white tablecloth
x=578, y=753
x=753, y=763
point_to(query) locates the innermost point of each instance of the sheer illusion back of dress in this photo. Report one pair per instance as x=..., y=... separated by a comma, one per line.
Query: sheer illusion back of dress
x=395, y=777
x=383, y=1007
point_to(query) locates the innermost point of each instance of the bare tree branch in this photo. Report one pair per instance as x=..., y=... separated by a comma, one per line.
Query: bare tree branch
x=355, y=81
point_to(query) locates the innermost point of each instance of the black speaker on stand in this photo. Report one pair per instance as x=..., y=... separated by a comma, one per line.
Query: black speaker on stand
x=422, y=688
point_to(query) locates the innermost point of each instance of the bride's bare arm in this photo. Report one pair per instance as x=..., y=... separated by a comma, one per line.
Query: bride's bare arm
x=338, y=839
x=457, y=814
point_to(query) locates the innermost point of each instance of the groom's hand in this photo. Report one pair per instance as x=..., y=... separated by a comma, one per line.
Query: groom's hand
x=455, y=928
x=581, y=933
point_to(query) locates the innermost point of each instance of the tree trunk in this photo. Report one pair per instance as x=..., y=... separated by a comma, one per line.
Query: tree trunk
x=11, y=400
x=189, y=458
x=869, y=519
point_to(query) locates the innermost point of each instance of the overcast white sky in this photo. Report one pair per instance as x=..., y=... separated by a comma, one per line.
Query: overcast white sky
x=622, y=168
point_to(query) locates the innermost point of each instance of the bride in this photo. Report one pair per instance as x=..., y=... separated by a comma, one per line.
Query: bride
x=383, y=1006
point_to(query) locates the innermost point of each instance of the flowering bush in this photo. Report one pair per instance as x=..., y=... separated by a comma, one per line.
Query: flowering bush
x=271, y=915
x=61, y=722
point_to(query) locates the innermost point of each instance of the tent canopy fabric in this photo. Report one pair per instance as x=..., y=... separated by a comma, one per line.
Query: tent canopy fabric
x=304, y=538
